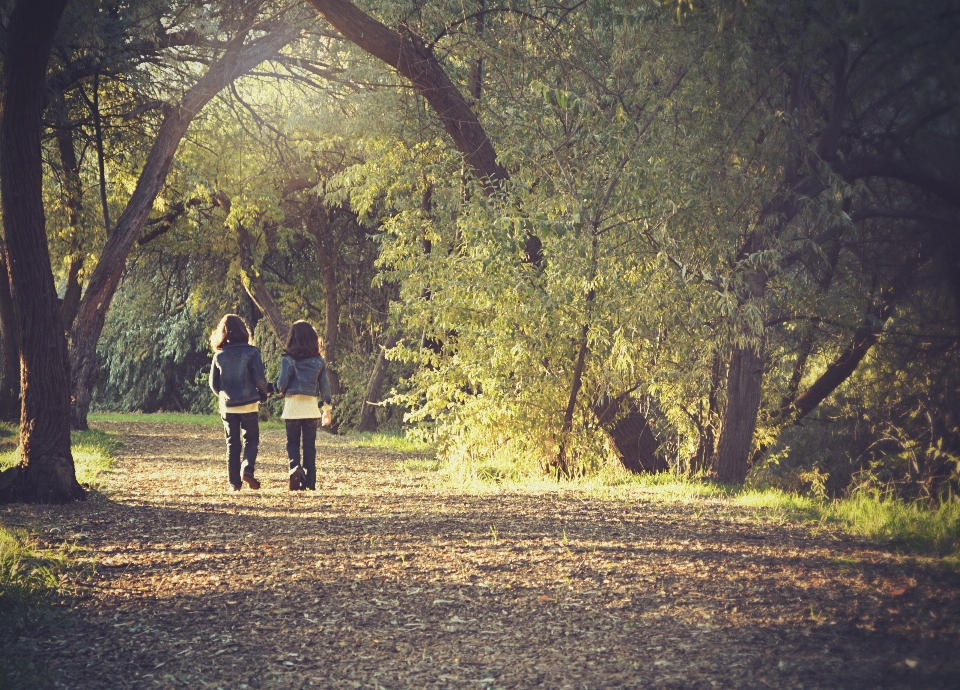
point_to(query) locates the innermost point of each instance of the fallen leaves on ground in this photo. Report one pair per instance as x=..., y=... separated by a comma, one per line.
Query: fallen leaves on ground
x=380, y=579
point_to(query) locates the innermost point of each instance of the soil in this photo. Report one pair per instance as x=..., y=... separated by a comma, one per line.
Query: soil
x=382, y=578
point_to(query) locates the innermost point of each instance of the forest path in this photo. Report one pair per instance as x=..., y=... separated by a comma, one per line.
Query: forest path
x=381, y=579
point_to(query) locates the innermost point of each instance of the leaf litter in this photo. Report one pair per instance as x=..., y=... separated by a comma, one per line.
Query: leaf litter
x=383, y=579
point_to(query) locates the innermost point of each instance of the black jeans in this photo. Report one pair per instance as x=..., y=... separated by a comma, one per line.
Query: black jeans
x=242, y=432
x=308, y=429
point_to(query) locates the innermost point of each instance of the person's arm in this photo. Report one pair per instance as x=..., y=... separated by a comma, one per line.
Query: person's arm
x=214, y=376
x=286, y=373
x=324, y=382
x=259, y=375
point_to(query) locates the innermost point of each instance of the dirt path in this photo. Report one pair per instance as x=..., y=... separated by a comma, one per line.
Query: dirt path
x=379, y=581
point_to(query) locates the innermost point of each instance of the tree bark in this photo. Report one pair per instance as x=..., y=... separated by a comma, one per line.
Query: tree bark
x=10, y=333
x=708, y=428
x=327, y=251
x=419, y=65
x=630, y=431
x=257, y=289
x=102, y=285
x=368, y=416
x=73, y=201
x=45, y=472
x=744, y=389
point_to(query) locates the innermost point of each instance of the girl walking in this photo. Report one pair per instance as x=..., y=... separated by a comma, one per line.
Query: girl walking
x=303, y=384
x=238, y=379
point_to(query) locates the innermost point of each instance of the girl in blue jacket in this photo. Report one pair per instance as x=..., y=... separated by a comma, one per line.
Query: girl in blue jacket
x=304, y=386
x=238, y=379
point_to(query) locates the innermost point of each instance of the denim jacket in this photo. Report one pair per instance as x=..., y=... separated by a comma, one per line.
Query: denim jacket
x=237, y=371
x=303, y=377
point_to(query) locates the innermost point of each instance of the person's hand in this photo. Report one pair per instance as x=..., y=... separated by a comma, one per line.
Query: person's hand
x=326, y=416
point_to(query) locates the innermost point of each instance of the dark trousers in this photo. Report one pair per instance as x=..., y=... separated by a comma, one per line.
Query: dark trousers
x=243, y=433
x=307, y=428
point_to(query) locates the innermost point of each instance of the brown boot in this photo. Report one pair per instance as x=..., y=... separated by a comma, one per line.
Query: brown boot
x=251, y=481
x=295, y=479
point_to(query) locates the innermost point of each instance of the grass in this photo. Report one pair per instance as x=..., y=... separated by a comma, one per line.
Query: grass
x=883, y=518
x=212, y=420
x=32, y=576
x=92, y=454
x=396, y=442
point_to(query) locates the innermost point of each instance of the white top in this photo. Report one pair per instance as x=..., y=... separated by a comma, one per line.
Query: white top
x=240, y=409
x=301, y=407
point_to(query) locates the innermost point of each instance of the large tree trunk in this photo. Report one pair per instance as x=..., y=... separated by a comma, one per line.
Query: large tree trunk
x=10, y=334
x=45, y=472
x=630, y=431
x=236, y=61
x=368, y=416
x=328, y=253
x=744, y=389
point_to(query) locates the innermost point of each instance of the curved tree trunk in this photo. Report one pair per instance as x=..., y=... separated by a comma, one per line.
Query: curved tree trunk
x=368, y=416
x=45, y=472
x=256, y=288
x=10, y=334
x=103, y=283
x=419, y=65
x=744, y=390
x=630, y=431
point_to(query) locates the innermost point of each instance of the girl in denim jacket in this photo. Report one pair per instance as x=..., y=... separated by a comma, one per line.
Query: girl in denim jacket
x=238, y=379
x=304, y=386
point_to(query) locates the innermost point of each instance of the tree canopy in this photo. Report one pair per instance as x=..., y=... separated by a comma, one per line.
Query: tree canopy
x=715, y=238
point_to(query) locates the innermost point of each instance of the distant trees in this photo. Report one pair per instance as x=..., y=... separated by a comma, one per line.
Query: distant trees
x=679, y=240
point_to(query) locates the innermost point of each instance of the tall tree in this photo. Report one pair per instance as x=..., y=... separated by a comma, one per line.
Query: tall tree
x=238, y=57
x=45, y=471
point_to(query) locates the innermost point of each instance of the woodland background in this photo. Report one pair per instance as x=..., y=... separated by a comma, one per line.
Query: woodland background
x=717, y=238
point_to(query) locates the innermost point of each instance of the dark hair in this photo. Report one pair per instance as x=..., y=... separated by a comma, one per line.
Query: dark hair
x=302, y=341
x=231, y=329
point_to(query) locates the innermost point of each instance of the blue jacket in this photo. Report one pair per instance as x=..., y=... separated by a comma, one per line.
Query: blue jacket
x=303, y=377
x=237, y=371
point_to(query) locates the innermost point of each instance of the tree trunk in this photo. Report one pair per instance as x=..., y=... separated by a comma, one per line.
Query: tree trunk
x=103, y=283
x=257, y=289
x=419, y=65
x=327, y=251
x=73, y=202
x=368, y=416
x=630, y=431
x=45, y=472
x=744, y=389
x=10, y=333
x=708, y=428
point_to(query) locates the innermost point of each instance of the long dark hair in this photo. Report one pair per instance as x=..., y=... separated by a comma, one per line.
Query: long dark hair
x=231, y=329
x=302, y=341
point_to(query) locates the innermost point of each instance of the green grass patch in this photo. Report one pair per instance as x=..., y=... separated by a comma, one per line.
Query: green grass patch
x=882, y=518
x=887, y=518
x=212, y=420
x=92, y=456
x=393, y=442
x=32, y=576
